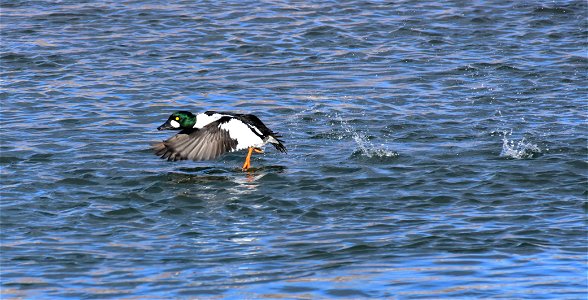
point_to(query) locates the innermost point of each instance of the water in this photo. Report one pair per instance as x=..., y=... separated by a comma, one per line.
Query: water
x=435, y=150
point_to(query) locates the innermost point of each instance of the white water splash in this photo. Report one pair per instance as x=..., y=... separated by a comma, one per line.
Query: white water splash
x=365, y=147
x=368, y=149
x=518, y=149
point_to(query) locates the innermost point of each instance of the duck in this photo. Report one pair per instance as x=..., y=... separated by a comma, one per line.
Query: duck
x=208, y=135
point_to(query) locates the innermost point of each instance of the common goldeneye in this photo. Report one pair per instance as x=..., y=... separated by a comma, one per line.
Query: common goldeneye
x=208, y=135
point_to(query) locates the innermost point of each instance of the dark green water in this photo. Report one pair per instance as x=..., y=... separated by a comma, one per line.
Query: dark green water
x=434, y=150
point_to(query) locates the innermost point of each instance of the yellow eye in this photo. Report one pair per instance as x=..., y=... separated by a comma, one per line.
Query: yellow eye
x=177, y=118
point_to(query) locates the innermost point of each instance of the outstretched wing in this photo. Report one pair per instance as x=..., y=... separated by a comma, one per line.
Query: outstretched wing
x=197, y=144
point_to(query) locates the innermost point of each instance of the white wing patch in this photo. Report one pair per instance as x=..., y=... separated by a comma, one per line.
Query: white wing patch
x=242, y=133
x=204, y=119
x=254, y=128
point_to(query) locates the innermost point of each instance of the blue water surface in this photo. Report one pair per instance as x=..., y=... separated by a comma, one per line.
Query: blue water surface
x=435, y=150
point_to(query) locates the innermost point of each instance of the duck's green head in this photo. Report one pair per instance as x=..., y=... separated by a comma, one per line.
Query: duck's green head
x=179, y=120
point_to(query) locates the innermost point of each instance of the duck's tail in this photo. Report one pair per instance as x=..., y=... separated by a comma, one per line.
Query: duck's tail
x=279, y=144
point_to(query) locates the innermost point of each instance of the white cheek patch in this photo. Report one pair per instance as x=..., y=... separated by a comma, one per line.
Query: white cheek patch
x=174, y=123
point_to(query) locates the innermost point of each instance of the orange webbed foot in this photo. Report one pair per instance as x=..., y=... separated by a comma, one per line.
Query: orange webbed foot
x=247, y=163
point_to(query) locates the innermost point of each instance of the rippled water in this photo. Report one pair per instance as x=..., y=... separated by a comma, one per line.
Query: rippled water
x=435, y=150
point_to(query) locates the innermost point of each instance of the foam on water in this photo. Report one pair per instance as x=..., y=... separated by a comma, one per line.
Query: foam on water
x=518, y=149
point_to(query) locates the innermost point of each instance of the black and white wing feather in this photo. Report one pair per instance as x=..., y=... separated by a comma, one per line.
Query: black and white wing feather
x=197, y=144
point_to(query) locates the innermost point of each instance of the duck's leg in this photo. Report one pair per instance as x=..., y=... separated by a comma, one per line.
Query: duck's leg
x=257, y=150
x=247, y=163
